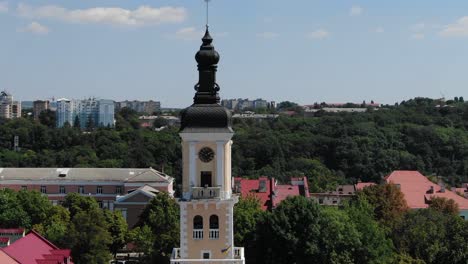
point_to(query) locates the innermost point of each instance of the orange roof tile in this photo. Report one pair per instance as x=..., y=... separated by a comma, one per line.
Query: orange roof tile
x=416, y=186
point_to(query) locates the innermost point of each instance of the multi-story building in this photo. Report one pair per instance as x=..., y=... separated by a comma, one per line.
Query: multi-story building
x=147, y=107
x=66, y=112
x=38, y=107
x=207, y=203
x=244, y=104
x=89, y=112
x=9, y=108
x=127, y=190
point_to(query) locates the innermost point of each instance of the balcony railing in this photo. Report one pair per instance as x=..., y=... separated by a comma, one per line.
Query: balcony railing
x=198, y=234
x=214, y=234
x=206, y=192
x=238, y=258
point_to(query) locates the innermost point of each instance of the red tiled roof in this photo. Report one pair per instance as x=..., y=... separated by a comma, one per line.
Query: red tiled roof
x=362, y=185
x=39, y=250
x=12, y=230
x=415, y=187
x=284, y=191
x=251, y=187
x=7, y=259
x=279, y=192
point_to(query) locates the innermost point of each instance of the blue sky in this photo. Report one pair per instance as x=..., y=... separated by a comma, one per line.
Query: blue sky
x=301, y=50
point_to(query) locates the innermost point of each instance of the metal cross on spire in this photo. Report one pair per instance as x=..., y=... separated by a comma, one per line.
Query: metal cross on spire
x=207, y=12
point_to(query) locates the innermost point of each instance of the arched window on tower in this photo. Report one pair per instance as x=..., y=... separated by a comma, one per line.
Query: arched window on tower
x=214, y=227
x=198, y=227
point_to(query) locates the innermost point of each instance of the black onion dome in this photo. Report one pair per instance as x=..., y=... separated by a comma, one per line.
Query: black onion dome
x=206, y=116
x=206, y=112
x=207, y=55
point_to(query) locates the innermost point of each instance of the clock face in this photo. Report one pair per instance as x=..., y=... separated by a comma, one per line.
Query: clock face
x=206, y=154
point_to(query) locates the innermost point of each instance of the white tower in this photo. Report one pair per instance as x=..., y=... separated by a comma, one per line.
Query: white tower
x=207, y=205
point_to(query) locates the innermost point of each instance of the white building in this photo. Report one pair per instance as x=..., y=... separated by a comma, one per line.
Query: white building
x=9, y=108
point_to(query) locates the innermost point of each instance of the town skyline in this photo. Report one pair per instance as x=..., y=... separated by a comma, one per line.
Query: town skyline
x=322, y=51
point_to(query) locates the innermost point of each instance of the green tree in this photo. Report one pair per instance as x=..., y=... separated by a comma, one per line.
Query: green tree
x=247, y=213
x=48, y=118
x=161, y=215
x=55, y=226
x=12, y=215
x=76, y=122
x=36, y=205
x=376, y=247
x=432, y=236
x=117, y=229
x=89, y=238
x=444, y=205
x=388, y=203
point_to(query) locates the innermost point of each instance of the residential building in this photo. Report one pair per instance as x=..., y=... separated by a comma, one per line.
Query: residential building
x=89, y=112
x=38, y=107
x=207, y=203
x=148, y=121
x=8, y=108
x=65, y=112
x=419, y=191
x=108, y=186
x=245, y=104
x=337, y=197
x=10, y=235
x=252, y=115
x=268, y=191
x=34, y=249
x=147, y=107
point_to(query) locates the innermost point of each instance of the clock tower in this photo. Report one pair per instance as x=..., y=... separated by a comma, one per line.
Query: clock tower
x=207, y=202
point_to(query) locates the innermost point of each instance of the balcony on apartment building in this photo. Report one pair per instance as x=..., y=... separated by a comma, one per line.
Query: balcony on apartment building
x=238, y=258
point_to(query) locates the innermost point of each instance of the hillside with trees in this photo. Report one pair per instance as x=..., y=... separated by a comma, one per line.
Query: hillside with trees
x=329, y=148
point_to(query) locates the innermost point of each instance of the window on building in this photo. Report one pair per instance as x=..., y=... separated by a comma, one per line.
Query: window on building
x=81, y=189
x=206, y=255
x=100, y=204
x=198, y=222
x=24, y=188
x=118, y=189
x=99, y=190
x=43, y=189
x=62, y=189
x=214, y=222
x=320, y=201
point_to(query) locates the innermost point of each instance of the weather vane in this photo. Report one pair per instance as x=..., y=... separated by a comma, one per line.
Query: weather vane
x=207, y=12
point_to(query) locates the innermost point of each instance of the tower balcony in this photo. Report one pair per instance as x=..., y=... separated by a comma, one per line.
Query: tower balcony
x=238, y=258
x=206, y=192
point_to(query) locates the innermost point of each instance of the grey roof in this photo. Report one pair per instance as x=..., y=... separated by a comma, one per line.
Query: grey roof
x=84, y=174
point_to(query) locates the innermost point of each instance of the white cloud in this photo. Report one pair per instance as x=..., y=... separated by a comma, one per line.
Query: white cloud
x=458, y=29
x=35, y=28
x=418, y=27
x=379, y=30
x=418, y=36
x=356, y=11
x=189, y=33
x=318, y=34
x=3, y=7
x=143, y=15
x=268, y=35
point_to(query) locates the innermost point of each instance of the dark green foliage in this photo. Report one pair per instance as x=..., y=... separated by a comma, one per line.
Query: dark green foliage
x=432, y=236
x=12, y=215
x=300, y=231
x=388, y=203
x=247, y=213
x=157, y=231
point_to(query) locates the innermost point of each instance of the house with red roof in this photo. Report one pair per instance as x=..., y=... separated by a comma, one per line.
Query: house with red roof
x=419, y=190
x=34, y=249
x=268, y=191
x=10, y=235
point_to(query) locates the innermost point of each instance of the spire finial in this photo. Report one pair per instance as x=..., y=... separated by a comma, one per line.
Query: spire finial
x=207, y=13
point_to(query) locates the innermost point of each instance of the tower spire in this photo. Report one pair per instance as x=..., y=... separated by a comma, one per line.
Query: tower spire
x=207, y=58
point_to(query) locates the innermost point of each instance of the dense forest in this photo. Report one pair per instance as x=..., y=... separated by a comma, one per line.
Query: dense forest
x=329, y=148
